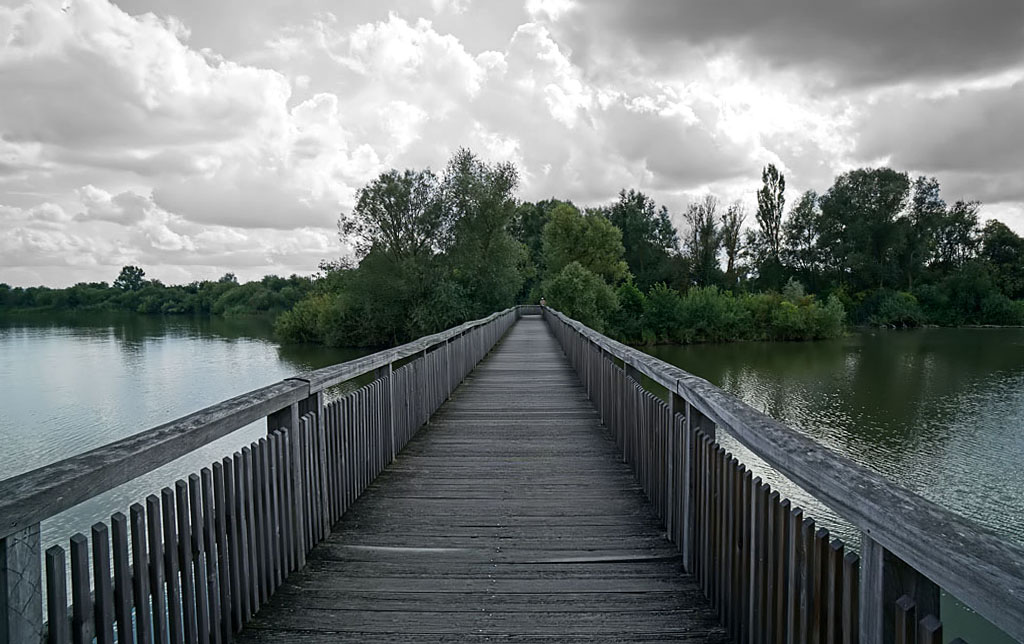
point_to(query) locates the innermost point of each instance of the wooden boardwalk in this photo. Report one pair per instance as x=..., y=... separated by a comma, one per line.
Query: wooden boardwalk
x=510, y=517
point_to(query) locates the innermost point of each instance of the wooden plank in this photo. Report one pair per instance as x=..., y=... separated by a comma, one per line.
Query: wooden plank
x=472, y=531
x=122, y=578
x=250, y=540
x=930, y=630
x=835, y=593
x=140, y=578
x=157, y=588
x=783, y=537
x=171, y=572
x=819, y=594
x=199, y=526
x=906, y=621
x=82, y=629
x=21, y=584
x=103, y=601
x=851, y=598
x=227, y=571
x=967, y=560
x=190, y=627
x=56, y=596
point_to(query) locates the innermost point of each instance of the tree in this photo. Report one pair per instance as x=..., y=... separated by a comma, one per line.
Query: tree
x=732, y=241
x=590, y=240
x=703, y=240
x=957, y=236
x=916, y=231
x=647, y=235
x=396, y=213
x=581, y=295
x=858, y=216
x=1003, y=250
x=131, y=278
x=527, y=228
x=477, y=201
x=771, y=201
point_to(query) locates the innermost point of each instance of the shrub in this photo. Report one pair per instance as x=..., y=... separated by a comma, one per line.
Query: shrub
x=581, y=295
x=661, y=314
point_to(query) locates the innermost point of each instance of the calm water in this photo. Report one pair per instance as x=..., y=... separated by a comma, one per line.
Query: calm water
x=939, y=411
x=73, y=383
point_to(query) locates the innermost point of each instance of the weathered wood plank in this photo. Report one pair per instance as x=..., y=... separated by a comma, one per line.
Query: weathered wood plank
x=499, y=516
x=967, y=560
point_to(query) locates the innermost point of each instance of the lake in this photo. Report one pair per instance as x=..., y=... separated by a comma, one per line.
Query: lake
x=940, y=411
x=74, y=382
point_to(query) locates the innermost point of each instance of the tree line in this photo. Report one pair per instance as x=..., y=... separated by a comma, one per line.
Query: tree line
x=876, y=248
x=131, y=291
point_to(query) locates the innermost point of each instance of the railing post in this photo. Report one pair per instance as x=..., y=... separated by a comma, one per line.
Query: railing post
x=389, y=400
x=448, y=368
x=695, y=421
x=884, y=579
x=21, y=588
x=289, y=418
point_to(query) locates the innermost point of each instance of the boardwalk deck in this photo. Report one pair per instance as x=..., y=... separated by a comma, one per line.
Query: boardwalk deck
x=510, y=518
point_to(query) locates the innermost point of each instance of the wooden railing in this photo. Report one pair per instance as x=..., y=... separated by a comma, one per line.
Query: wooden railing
x=771, y=573
x=195, y=563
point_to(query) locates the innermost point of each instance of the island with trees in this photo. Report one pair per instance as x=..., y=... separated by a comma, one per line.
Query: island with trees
x=877, y=248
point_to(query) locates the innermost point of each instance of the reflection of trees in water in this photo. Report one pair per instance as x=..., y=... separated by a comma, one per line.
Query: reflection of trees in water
x=872, y=393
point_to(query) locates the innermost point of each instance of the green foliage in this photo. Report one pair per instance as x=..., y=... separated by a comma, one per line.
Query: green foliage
x=131, y=292
x=131, y=278
x=627, y=321
x=771, y=201
x=704, y=242
x=662, y=314
x=590, y=240
x=581, y=295
x=648, y=237
x=891, y=309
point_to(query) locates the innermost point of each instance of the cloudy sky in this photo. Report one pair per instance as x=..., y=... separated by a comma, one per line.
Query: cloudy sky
x=194, y=137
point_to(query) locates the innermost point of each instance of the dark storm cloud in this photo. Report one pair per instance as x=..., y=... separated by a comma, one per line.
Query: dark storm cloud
x=975, y=137
x=854, y=43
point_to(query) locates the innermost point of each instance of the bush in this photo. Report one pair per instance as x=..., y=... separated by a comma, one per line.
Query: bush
x=661, y=314
x=710, y=315
x=581, y=295
x=627, y=321
x=893, y=309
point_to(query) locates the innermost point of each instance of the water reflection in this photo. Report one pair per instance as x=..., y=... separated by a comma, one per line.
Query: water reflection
x=75, y=382
x=939, y=411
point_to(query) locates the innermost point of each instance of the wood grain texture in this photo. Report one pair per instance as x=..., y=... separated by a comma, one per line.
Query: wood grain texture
x=511, y=514
x=965, y=559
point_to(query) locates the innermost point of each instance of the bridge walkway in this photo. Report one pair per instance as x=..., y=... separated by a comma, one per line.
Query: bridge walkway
x=509, y=518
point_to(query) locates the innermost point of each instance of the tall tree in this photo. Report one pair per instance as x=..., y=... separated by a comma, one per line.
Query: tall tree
x=957, y=236
x=916, y=231
x=771, y=202
x=397, y=214
x=703, y=241
x=858, y=215
x=648, y=236
x=732, y=241
x=590, y=240
x=477, y=201
x=131, y=278
x=801, y=251
x=1003, y=250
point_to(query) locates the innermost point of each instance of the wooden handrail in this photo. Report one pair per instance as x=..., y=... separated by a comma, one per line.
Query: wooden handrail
x=222, y=541
x=979, y=568
x=37, y=495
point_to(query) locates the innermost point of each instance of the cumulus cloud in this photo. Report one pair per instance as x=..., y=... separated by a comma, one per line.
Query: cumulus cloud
x=175, y=142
